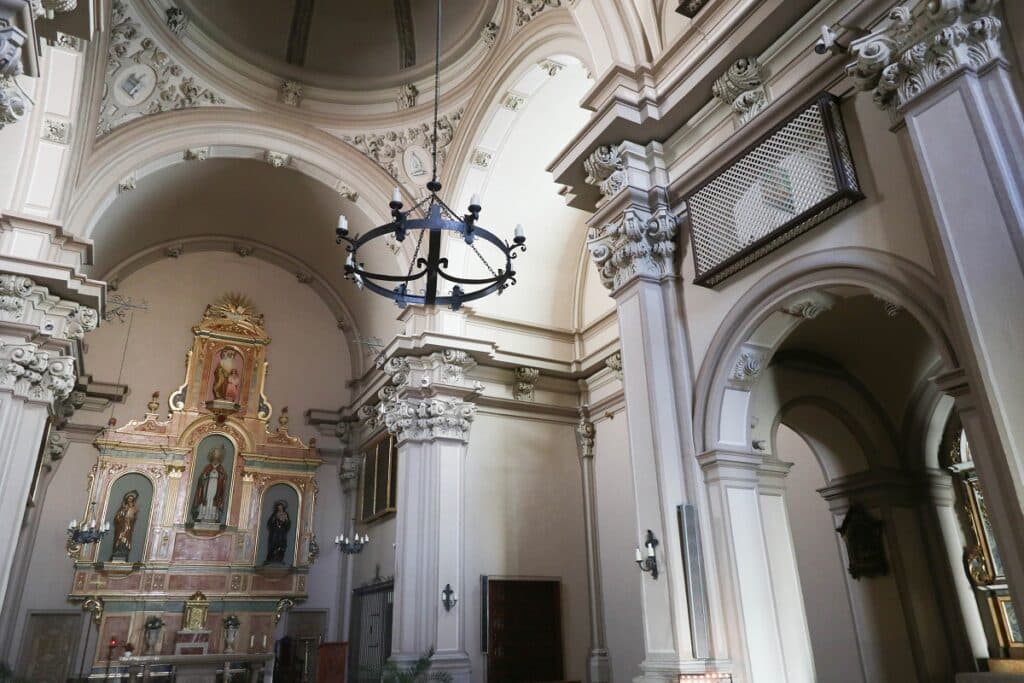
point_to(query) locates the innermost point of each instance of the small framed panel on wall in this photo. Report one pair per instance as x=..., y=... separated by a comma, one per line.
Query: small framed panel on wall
x=379, y=486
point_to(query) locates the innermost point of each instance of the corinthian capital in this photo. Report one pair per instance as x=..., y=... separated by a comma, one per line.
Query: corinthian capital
x=638, y=244
x=915, y=50
x=426, y=419
x=35, y=375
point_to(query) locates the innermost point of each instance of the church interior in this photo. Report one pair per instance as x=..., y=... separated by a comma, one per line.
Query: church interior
x=512, y=341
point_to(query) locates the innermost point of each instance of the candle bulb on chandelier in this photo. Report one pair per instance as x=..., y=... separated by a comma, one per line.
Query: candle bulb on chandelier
x=639, y=555
x=475, y=201
x=520, y=232
x=396, y=196
x=650, y=550
x=342, y=224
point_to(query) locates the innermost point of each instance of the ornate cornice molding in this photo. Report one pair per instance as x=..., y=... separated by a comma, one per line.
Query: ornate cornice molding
x=13, y=103
x=35, y=375
x=748, y=366
x=142, y=79
x=913, y=52
x=424, y=398
x=742, y=88
x=23, y=301
x=605, y=170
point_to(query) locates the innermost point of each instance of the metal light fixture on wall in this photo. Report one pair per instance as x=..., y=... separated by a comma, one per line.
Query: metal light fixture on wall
x=419, y=285
x=351, y=546
x=83, y=533
x=648, y=563
x=449, y=598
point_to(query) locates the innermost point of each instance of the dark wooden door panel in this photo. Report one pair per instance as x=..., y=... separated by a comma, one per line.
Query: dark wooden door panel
x=524, y=631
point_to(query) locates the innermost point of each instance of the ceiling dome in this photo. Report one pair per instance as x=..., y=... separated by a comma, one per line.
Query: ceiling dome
x=347, y=44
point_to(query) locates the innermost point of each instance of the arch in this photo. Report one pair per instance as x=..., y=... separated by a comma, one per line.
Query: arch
x=721, y=416
x=818, y=412
x=231, y=427
x=151, y=143
x=323, y=288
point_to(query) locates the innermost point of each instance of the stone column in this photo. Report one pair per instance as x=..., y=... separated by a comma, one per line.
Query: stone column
x=425, y=407
x=598, y=667
x=752, y=527
x=39, y=335
x=942, y=75
x=633, y=243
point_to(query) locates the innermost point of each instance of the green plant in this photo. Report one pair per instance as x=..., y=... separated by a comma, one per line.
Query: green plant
x=154, y=623
x=231, y=621
x=417, y=673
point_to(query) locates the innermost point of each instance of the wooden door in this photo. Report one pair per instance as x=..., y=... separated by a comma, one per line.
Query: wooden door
x=370, y=632
x=524, y=631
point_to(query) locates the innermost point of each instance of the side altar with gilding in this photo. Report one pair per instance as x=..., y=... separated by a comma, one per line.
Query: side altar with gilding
x=210, y=510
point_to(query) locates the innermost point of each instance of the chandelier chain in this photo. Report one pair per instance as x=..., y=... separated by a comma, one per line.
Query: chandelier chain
x=412, y=261
x=437, y=85
x=483, y=260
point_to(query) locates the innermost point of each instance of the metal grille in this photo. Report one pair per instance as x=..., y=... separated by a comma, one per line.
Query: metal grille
x=792, y=179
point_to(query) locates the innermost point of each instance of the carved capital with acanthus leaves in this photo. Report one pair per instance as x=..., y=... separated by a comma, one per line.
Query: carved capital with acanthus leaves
x=425, y=397
x=34, y=374
x=638, y=244
x=916, y=49
x=585, y=434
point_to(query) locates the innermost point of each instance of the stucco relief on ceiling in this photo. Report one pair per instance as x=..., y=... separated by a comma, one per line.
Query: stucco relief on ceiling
x=142, y=78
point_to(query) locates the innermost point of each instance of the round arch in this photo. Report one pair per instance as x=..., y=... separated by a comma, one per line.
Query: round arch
x=759, y=321
x=151, y=143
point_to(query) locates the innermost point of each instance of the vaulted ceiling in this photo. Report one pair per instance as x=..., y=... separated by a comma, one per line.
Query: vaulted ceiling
x=335, y=43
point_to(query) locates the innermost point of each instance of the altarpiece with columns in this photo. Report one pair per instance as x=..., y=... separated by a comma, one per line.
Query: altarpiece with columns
x=211, y=505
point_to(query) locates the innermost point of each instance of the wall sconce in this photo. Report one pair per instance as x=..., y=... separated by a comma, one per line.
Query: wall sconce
x=448, y=597
x=650, y=562
x=351, y=546
x=83, y=533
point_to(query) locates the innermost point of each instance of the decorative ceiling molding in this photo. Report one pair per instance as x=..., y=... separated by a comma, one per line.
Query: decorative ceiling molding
x=742, y=88
x=142, y=79
x=405, y=153
x=526, y=10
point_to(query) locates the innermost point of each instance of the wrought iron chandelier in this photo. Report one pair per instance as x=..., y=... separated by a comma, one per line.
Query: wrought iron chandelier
x=428, y=273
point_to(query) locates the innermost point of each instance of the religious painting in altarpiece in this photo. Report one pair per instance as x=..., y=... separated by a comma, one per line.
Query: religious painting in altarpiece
x=212, y=500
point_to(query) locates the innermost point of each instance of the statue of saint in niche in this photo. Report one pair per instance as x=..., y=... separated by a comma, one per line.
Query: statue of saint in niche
x=124, y=526
x=227, y=378
x=208, y=507
x=277, y=539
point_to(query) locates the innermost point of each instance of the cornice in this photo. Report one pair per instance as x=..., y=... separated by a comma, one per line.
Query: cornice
x=650, y=102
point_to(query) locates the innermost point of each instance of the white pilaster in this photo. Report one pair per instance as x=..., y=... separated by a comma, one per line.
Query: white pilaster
x=598, y=666
x=633, y=244
x=943, y=74
x=424, y=406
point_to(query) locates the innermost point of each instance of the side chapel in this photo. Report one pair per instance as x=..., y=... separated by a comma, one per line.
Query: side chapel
x=210, y=510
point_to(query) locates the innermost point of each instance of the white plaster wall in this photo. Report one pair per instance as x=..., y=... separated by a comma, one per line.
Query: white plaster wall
x=50, y=570
x=524, y=517
x=820, y=565
x=616, y=528
x=519, y=190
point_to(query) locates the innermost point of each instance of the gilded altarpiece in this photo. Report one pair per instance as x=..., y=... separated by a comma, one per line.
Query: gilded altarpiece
x=211, y=463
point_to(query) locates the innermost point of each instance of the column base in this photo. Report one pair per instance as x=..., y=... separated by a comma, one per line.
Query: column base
x=598, y=667
x=455, y=663
x=679, y=670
